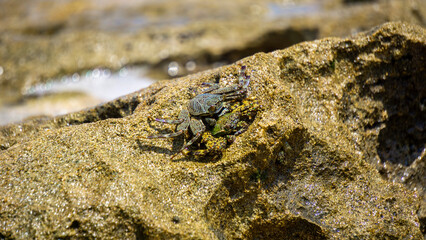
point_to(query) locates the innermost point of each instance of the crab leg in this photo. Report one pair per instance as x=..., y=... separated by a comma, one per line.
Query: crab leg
x=169, y=121
x=183, y=121
x=235, y=95
x=243, y=78
x=240, y=88
x=197, y=128
x=245, y=81
x=169, y=135
x=214, y=88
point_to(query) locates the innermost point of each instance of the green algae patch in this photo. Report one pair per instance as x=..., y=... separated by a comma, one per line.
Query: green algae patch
x=304, y=169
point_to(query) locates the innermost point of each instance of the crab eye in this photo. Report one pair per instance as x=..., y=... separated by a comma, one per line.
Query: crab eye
x=212, y=109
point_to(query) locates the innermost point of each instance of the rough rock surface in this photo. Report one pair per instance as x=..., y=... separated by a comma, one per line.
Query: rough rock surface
x=304, y=169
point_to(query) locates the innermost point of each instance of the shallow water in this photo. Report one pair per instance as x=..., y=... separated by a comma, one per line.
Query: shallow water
x=280, y=11
x=99, y=83
x=75, y=92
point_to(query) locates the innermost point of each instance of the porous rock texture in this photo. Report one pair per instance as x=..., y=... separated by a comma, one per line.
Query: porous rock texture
x=304, y=169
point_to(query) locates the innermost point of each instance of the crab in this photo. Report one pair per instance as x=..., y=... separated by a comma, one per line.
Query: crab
x=236, y=122
x=213, y=101
x=227, y=127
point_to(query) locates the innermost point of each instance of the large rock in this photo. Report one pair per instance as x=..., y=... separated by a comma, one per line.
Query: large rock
x=304, y=169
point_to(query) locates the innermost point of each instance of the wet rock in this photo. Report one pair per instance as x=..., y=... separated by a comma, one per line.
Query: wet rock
x=304, y=169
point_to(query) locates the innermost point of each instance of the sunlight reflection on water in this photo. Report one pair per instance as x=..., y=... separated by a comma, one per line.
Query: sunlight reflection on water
x=277, y=10
x=99, y=83
x=75, y=92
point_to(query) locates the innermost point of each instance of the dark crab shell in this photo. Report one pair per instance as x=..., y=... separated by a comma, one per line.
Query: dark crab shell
x=206, y=104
